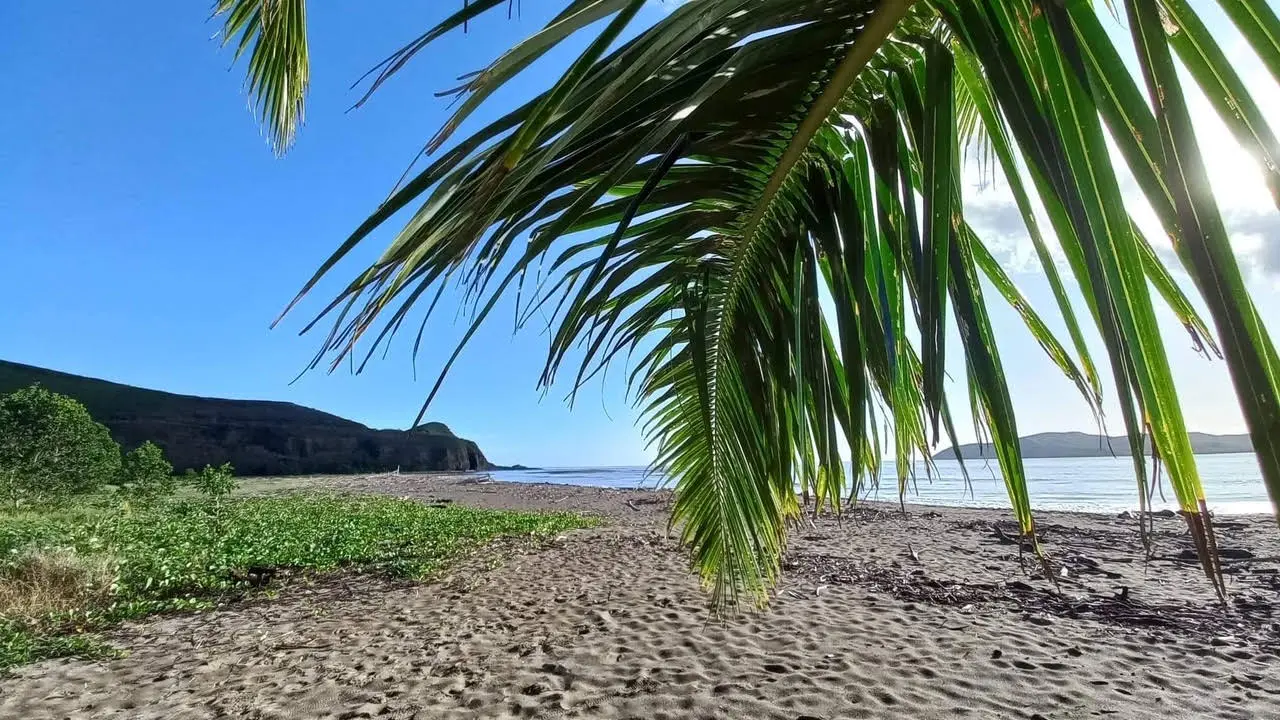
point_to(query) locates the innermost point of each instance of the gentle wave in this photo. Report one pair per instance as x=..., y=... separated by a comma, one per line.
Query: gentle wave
x=1232, y=483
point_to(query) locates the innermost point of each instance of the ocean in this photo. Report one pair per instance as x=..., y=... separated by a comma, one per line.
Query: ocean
x=1232, y=483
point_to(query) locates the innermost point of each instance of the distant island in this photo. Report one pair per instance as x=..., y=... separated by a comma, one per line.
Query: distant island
x=1078, y=444
x=258, y=437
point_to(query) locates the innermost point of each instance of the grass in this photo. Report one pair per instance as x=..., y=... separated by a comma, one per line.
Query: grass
x=272, y=485
x=38, y=582
x=268, y=485
x=65, y=574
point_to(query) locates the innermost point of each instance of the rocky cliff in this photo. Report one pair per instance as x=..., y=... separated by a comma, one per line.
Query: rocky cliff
x=258, y=437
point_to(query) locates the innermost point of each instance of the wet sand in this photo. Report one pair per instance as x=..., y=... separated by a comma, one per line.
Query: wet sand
x=931, y=614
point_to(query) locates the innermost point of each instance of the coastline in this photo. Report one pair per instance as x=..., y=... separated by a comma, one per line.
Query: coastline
x=928, y=614
x=1232, y=484
x=878, y=504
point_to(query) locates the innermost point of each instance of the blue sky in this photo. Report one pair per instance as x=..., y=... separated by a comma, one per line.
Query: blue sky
x=149, y=236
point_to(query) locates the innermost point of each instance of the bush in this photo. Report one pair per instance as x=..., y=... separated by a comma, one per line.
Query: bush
x=214, y=482
x=51, y=449
x=145, y=475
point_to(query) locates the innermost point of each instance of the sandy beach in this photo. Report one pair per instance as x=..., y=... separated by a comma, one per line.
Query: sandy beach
x=930, y=614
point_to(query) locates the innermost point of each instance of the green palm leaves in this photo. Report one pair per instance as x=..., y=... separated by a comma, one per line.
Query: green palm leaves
x=279, y=69
x=758, y=203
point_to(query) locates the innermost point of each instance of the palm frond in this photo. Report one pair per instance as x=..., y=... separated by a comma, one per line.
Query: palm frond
x=761, y=200
x=279, y=73
x=1205, y=248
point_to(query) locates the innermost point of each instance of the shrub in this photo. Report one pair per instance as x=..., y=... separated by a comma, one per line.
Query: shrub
x=51, y=448
x=214, y=482
x=145, y=474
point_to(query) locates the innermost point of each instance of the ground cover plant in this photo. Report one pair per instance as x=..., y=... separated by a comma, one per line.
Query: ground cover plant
x=67, y=573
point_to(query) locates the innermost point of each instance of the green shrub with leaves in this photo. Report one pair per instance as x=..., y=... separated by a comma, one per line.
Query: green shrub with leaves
x=51, y=448
x=145, y=474
x=214, y=482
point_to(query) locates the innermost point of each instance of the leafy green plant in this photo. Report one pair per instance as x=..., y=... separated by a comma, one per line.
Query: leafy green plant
x=145, y=474
x=762, y=201
x=51, y=449
x=214, y=482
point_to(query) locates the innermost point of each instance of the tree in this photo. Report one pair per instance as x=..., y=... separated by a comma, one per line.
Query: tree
x=51, y=448
x=145, y=474
x=741, y=165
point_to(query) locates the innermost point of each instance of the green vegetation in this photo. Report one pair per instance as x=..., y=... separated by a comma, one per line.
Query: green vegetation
x=760, y=204
x=214, y=482
x=51, y=449
x=76, y=556
x=69, y=572
x=145, y=475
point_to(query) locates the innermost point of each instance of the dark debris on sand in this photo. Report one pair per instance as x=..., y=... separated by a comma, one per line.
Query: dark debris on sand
x=1247, y=619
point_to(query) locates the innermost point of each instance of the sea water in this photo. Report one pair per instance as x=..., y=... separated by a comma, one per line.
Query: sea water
x=1232, y=483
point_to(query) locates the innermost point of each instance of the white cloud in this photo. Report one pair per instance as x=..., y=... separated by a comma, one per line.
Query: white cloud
x=1238, y=184
x=1255, y=236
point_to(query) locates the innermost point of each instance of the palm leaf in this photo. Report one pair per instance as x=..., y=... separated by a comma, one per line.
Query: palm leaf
x=761, y=202
x=1207, y=250
x=279, y=67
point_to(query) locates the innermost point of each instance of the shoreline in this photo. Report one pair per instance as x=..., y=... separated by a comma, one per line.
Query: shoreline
x=931, y=614
x=910, y=506
x=1104, y=489
x=874, y=503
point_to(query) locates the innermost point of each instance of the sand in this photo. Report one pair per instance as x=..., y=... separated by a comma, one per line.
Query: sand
x=927, y=615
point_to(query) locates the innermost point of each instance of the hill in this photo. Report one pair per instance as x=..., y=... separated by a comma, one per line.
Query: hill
x=258, y=437
x=1078, y=444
